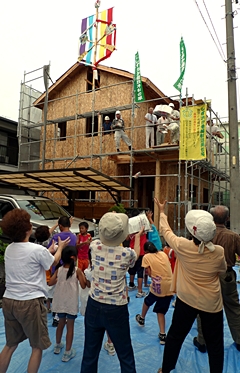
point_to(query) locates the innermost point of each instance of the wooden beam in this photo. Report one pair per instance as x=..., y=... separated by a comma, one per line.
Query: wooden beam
x=145, y=157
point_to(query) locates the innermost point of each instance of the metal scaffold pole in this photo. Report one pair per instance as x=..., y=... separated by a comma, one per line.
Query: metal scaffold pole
x=233, y=122
x=45, y=109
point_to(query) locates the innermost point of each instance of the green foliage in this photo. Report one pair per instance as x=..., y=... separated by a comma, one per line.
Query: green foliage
x=118, y=208
x=3, y=246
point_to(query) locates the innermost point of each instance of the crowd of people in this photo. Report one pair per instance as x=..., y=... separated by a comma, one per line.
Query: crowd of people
x=198, y=269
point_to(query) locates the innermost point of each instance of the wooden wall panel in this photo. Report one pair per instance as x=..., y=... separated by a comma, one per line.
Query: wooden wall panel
x=78, y=144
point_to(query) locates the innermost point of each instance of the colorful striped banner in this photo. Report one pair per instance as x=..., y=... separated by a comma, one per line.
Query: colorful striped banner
x=106, y=38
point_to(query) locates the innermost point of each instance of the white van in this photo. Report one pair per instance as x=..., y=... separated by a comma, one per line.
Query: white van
x=43, y=211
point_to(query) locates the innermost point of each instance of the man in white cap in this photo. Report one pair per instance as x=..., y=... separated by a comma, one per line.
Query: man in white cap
x=106, y=126
x=174, y=124
x=196, y=282
x=118, y=127
x=107, y=303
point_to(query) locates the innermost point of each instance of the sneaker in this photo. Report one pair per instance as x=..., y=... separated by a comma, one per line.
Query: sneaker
x=57, y=348
x=55, y=322
x=130, y=287
x=109, y=348
x=162, y=337
x=141, y=295
x=68, y=355
x=140, y=320
x=200, y=347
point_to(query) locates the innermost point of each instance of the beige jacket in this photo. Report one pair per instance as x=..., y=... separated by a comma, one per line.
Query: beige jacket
x=195, y=278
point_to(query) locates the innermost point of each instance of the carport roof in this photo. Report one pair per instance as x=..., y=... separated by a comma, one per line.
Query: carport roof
x=76, y=179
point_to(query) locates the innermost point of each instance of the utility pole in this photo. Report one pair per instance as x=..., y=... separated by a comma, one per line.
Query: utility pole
x=233, y=122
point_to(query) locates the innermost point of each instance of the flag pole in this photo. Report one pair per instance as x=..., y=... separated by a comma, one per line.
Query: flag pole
x=94, y=70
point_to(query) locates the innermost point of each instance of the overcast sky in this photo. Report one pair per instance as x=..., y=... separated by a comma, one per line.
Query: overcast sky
x=34, y=34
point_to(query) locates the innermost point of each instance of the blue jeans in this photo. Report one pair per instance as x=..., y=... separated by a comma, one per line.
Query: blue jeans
x=115, y=319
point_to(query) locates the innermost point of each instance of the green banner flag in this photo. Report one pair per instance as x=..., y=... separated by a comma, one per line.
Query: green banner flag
x=138, y=88
x=179, y=83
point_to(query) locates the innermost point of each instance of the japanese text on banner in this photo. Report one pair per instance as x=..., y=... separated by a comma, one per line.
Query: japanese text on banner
x=193, y=132
x=138, y=88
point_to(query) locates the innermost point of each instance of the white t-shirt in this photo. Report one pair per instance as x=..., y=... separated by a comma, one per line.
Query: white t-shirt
x=151, y=117
x=25, y=265
x=65, y=298
x=109, y=266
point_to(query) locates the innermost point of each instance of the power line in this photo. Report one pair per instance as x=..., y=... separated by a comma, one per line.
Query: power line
x=214, y=30
x=219, y=51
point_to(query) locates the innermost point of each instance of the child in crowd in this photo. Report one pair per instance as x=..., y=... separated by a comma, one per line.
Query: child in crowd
x=65, y=299
x=83, y=241
x=42, y=236
x=152, y=236
x=159, y=270
x=172, y=259
x=170, y=253
x=64, y=224
x=137, y=268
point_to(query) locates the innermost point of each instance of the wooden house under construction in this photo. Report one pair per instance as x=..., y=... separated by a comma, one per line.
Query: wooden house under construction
x=70, y=137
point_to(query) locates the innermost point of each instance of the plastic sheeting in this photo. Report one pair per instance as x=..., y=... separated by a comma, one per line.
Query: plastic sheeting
x=147, y=350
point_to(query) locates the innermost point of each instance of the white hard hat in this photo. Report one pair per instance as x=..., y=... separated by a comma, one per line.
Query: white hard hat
x=171, y=104
x=107, y=118
x=118, y=112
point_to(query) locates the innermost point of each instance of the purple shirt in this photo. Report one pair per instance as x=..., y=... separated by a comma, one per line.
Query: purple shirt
x=64, y=236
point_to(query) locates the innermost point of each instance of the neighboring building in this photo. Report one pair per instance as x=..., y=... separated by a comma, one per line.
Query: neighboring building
x=74, y=139
x=8, y=145
x=221, y=150
x=8, y=148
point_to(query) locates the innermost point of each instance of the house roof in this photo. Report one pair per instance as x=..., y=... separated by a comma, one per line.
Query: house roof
x=64, y=180
x=148, y=85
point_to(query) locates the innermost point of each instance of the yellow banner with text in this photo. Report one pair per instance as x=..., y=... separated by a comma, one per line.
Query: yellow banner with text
x=193, y=132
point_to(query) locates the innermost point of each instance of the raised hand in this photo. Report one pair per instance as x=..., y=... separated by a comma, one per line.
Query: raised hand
x=161, y=206
x=64, y=243
x=141, y=231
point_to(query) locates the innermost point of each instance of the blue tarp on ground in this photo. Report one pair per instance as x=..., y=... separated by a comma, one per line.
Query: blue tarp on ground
x=147, y=350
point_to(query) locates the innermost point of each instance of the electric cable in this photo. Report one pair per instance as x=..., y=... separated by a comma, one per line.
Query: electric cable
x=214, y=29
x=219, y=51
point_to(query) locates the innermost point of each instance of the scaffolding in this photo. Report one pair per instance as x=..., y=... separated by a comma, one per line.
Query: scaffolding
x=33, y=143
